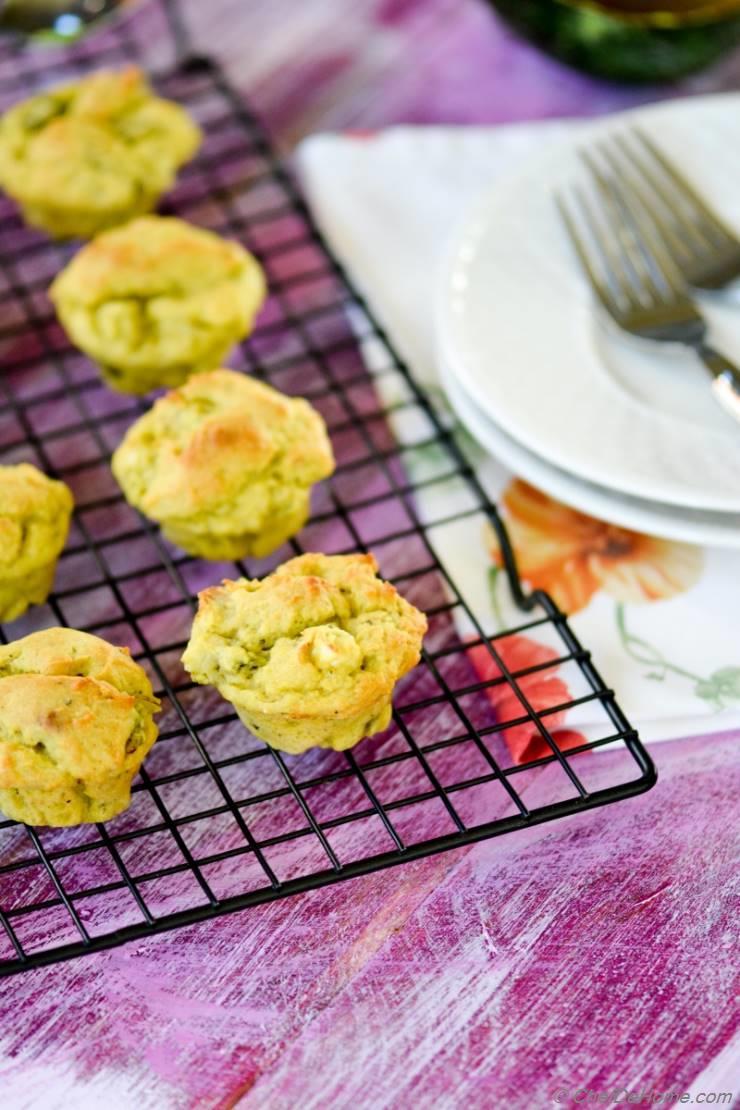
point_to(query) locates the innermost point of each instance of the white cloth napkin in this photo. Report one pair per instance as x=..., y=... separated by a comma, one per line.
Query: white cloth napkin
x=387, y=203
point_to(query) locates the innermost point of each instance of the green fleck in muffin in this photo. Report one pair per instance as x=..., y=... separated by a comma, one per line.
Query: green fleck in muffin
x=34, y=522
x=157, y=300
x=83, y=157
x=76, y=721
x=309, y=656
x=225, y=464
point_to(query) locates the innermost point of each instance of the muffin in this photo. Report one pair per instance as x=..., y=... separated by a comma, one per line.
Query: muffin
x=225, y=464
x=76, y=717
x=34, y=522
x=309, y=656
x=78, y=722
x=157, y=300
x=89, y=155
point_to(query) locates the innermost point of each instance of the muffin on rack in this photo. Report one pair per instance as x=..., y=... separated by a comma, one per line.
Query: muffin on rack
x=225, y=464
x=310, y=655
x=157, y=300
x=86, y=156
x=76, y=721
x=34, y=522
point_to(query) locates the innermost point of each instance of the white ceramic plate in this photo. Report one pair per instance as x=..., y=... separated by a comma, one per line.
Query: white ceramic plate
x=693, y=526
x=518, y=329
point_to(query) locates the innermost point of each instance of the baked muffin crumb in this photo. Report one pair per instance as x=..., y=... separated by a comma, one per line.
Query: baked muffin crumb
x=76, y=721
x=34, y=522
x=86, y=156
x=225, y=464
x=308, y=656
x=157, y=300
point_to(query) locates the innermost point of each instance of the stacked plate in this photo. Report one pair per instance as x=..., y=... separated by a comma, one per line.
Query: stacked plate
x=623, y=430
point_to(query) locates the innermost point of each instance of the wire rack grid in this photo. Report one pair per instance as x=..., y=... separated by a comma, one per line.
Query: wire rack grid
x=218, y=821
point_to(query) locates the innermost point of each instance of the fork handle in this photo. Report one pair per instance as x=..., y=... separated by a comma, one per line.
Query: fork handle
x=726, y=379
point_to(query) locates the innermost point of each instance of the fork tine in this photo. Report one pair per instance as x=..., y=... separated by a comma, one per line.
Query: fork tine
x=609, y=262
x=581, y=250
x=705, y=218
x=640, y=208
x=682, y=223
x=642, y=276
x=689, y=239
x=616, y=254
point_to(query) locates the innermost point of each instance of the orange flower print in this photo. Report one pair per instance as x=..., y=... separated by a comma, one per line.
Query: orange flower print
x=572, y=555
x=543, y=690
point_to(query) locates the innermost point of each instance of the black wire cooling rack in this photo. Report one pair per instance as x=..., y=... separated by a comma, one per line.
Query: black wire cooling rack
x=218, y=821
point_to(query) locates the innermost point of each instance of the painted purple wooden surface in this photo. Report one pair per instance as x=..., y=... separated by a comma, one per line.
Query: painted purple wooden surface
x=591, y=952
x=595, y=951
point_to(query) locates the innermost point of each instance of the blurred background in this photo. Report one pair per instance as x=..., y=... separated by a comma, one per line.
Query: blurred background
x=330, y=64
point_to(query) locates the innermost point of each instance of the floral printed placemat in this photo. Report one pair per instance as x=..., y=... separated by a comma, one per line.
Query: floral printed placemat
x=660, y=617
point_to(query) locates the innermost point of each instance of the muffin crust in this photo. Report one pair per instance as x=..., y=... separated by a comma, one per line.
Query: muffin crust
x=86, y=156
x=225, y=464
x=308, y=656
x=76, y=720
x=34, y=522
x=157, y=300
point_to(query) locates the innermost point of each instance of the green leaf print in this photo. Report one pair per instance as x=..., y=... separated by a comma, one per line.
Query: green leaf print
x=721, y=688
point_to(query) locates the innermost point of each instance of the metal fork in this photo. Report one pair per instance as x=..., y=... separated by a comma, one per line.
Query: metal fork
x=705, y=250
x=635, y=278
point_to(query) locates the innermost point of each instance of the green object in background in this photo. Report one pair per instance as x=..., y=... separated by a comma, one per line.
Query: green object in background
x=52, y=20
x=629, y=41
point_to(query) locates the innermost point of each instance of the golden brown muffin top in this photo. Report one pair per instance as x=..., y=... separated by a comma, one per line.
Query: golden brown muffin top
x=222, y=441
x=95, y=144
x=72, y=699
x=322, y=636
x=158, y=292
x=152, y=256
x=34, y=518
